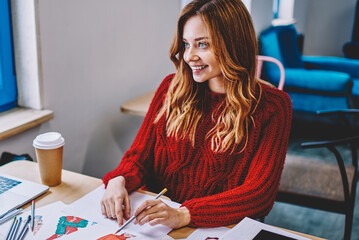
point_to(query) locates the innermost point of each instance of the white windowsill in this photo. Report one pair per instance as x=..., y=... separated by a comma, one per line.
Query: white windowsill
x=18, y=120
x=28, y=73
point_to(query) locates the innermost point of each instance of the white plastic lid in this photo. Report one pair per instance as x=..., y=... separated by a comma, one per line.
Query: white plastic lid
x=49, y=140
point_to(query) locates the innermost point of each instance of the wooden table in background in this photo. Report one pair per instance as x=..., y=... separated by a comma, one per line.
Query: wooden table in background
x=73, y=187
x=138, y=106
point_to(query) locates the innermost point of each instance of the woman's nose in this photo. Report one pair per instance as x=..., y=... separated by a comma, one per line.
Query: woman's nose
x=190, y=55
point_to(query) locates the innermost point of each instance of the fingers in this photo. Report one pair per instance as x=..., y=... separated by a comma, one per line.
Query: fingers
x=146, y=204
x=127, y=207
x=111, y=207
x=153, y=219
x=103, y=208
x=157, y=221
x=118, y=212
x=114, y=198
x=151, y=210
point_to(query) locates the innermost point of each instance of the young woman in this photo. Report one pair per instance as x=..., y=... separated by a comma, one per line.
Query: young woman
x=214, y=135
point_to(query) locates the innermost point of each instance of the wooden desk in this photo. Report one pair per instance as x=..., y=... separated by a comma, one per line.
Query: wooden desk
x=138, y=106
x=73, y=187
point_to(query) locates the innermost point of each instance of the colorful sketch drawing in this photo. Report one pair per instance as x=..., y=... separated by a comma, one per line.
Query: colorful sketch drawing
x=37, y=224
x=67, y=225
x=123, y=236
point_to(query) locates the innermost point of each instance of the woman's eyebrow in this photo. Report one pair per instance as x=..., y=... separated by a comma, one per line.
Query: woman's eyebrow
x=197, y=39
x=201, y=38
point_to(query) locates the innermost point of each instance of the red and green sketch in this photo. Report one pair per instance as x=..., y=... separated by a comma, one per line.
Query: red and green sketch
x=123, y=236
x=37, y=224
x=68, y=225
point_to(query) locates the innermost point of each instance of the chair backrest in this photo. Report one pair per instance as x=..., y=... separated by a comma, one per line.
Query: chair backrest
x=261, y=59
x=355, y=34
x=280, y=42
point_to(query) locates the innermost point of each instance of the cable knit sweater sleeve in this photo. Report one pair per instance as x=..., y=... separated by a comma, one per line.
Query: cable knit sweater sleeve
x=255, y=196
x=137, y=162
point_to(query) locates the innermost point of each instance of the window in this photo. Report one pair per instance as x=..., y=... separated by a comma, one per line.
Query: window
x=276, y=8
x=8, y=89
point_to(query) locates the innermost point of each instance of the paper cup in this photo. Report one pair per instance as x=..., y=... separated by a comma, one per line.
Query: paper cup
x=49, y=150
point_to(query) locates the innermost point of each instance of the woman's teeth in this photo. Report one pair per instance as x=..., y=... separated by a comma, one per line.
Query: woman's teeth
x=198, y=68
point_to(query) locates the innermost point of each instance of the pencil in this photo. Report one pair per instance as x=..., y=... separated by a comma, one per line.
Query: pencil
x=13, y=229
x=9, y=215
x=24, y=228
x=32, y=215
x=8, y=212
x=22, y=234
x=17, y=228
x=10, y=230
x=134, y=216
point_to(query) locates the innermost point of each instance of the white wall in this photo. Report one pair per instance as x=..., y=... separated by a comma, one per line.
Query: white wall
x=328, y=26
x=96, y=55
x=262, y=14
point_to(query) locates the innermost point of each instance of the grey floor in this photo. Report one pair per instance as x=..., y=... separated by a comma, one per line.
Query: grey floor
x=315, y=222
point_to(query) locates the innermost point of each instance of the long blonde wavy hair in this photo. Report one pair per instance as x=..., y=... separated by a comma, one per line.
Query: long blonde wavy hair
x=233, y=41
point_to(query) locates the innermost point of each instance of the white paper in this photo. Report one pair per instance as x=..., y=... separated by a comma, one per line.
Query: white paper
x=48, y=220
x=97, y=232
x=89, y=207
x=207, y=233
x=248, y=228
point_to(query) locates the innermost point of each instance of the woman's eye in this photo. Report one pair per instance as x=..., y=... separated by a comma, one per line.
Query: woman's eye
x=202, y=45
x=186, y=45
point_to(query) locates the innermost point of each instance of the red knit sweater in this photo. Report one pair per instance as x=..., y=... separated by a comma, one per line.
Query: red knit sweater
x=217, y=188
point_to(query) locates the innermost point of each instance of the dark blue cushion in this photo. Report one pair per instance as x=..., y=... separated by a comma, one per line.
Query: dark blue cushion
x=350, y=66
x=270, y=44
x=355, y=89
x=304, y=102
x=314, y=81
x=280, y=42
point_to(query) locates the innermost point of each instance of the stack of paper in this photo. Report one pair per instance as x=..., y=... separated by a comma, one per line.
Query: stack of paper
x=247, y=229
x=83, y=220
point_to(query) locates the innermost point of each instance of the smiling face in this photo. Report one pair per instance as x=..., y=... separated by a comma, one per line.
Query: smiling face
x=198, y=54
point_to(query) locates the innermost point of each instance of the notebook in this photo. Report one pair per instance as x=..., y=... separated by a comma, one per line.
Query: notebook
x=15, y=192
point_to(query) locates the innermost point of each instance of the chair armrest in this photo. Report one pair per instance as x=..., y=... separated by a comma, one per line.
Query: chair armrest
x=330, y=143
x=348, y=116
x=350, y=66
x=331, y=146
x=328, y=82
x=351, y=111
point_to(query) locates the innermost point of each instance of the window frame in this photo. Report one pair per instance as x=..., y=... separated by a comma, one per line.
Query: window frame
x=8, y=86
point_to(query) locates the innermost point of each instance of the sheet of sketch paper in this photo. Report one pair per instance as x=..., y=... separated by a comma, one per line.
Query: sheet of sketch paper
x=100, y=232
x=89, y=207
x=248, y=229
x=51, y=223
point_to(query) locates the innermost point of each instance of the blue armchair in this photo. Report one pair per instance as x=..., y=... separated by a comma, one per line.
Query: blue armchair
x=313, y=83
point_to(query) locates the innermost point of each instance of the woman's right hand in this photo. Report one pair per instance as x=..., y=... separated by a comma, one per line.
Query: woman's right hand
x=114, y=198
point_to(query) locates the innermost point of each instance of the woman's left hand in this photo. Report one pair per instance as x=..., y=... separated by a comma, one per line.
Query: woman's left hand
x=155, y=212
